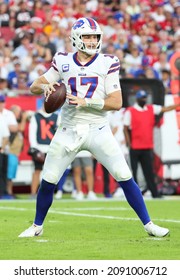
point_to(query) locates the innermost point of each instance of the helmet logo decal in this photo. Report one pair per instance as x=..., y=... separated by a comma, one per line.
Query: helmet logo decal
x=92, y=23
x=78, y=24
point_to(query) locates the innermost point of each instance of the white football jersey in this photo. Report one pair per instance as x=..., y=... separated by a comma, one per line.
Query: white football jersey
x=96, y=79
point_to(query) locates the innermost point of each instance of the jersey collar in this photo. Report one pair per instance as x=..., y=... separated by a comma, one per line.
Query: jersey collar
x=88, y=63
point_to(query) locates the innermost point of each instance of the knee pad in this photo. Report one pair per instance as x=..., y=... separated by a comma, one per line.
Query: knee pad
x=50, y=177
x=121, y=173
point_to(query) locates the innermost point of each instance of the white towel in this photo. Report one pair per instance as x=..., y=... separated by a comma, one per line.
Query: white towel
x=82, y=131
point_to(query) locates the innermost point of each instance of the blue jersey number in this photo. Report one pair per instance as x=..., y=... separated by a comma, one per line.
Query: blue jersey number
x=92, y=81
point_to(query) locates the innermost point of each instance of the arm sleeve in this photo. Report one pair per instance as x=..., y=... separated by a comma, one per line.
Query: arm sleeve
x=52, y=75
x=112, y=83
x=112, y=66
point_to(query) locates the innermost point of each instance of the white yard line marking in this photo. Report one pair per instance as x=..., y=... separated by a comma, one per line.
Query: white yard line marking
x=12, y=208
x=87, y=215
x=76, y=209
x=90, y=215
x=96, y=209
x=41, y=240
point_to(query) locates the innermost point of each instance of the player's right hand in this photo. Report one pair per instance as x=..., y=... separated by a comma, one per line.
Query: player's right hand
x=49, y=89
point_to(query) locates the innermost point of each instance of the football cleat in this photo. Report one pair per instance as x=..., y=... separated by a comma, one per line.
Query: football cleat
x=154, y=230
x=32, y=231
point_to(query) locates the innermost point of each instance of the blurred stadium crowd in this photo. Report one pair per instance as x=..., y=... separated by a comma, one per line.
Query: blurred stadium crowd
x=143, y=34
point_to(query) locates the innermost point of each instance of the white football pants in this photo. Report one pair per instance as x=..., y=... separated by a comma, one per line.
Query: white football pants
x=97, y=139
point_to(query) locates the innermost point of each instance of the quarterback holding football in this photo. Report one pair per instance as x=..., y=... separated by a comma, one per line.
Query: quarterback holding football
x=93, y=88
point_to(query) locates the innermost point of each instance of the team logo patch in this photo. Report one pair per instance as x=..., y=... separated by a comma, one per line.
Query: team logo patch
x=78, y=24
x=65, y=67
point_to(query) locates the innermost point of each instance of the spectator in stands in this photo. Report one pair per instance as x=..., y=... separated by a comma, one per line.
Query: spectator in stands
x=23, y=82
x=149, y=73
x=4, y=86
x=166, y=80
x=53, y=31
x=142, y=71
x=42, y=127
x=162, y=63
x=10, y=121
x=36, y=25
x=132, y=60
x=42, y=52
x=126, y=23
x=158, y=13
x=18, y=79
x=23, y=15
x=13, y=75
x=109, y=28
x=59, y=6
x=120, y=54
x=6, y=58
x=133, y=9
x=177, y=10
x=25, y=48
x=84, y=8
x=174, y=26
x=83, y=165
x=44, y=41
x=68, y=18
x=39, y=8
x=3, y=69
x=5, y=15
x=139, y=121
x=164, y=42
x=153, y=53
x=4, y=139
x=15, y=146
x=101, y=13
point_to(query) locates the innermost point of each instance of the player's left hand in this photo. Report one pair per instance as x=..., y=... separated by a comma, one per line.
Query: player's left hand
x=76, y=100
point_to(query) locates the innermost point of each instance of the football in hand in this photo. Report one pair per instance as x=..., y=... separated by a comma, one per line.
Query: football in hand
x=55, y=100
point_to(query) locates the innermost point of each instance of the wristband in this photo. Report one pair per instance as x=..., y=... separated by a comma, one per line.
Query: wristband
x=95, y=103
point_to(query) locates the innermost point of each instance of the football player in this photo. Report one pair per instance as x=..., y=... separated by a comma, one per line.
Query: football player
x=93, y=88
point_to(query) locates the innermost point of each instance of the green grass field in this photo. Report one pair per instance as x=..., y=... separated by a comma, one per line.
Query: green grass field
x=89, y=230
